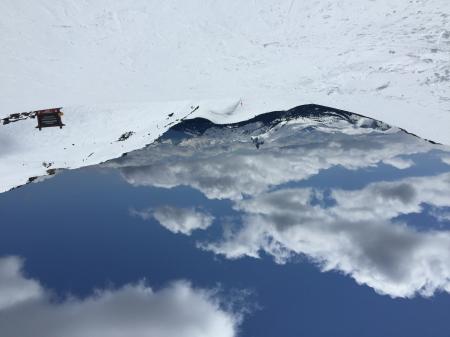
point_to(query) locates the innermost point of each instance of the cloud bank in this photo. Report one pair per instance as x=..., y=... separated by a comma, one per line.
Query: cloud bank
x=360, y=235
x=28, y=310
x=224, y=164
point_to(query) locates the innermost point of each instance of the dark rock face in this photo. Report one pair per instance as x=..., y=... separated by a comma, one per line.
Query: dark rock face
x=197, y=126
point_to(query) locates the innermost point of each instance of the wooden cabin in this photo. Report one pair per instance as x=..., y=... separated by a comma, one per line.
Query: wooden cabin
x=49, y=118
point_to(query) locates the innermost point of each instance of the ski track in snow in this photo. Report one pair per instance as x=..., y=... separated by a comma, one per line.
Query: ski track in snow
x=235, y=59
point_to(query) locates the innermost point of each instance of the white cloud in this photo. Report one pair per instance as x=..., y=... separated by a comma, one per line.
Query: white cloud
x=177, y=220
x=356, y=236
x=399, y=162
x=13, y=289
x=132, y=311
x=446, y=159
x=224, y=164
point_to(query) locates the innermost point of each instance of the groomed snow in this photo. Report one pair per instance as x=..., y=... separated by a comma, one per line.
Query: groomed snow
x=389, y=60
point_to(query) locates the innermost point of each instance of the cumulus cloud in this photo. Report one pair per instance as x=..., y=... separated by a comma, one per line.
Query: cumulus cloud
x=359, y=233
x=224, y=163
x=356, y=236
x=177, y=220
x=28, y=310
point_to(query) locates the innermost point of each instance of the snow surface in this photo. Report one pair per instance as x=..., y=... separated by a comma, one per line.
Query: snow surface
x=389, y=60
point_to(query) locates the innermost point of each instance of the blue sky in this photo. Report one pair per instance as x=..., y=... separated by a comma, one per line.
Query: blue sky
x=85, y=238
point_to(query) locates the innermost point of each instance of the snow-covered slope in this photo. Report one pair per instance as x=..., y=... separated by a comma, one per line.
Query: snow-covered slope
x=389, y=60
x=385, y=59
x=90, y=136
